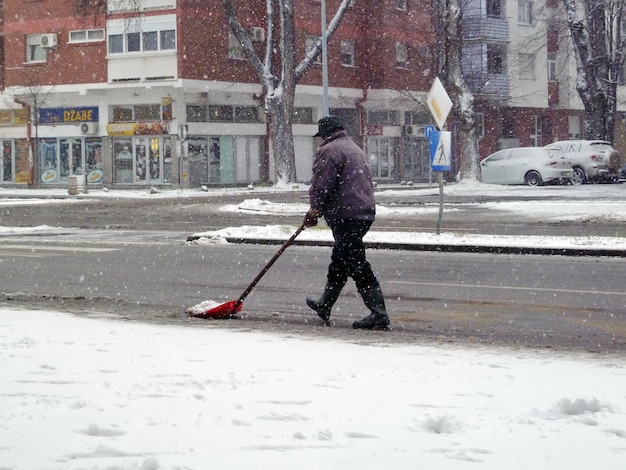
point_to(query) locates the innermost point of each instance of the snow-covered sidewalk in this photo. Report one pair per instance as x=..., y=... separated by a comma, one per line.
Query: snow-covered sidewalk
x=84, y=393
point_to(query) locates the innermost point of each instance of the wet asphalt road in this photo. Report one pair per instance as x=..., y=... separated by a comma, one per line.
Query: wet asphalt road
x=446, y=310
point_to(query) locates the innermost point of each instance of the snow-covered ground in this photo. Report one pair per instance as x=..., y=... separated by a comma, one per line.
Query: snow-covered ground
x=98, y=393
x=587, y=203
x=85, y=393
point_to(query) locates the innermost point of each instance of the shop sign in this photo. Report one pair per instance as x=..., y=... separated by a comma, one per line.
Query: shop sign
x=6, y=117
x=374, y=129
x=20, y=117
x=13, y=117
x=124, y=129
x=68, y=115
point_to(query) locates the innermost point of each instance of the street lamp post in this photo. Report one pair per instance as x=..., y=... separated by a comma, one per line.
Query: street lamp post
x=325, y=108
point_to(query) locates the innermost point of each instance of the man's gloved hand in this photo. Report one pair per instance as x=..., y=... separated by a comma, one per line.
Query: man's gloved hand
x=310, y=218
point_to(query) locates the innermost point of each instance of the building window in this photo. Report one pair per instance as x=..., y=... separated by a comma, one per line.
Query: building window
x=168, y=39
x=417, y=117
x=525, y=12
x=527, y=66
x=34, y=51
x=116, y=44
x=385, y=117
x=86, y=35
x=552, y=67
x=535, y=131
x=574, y=126
x=302, y=116
x=246, y=114
x=402, y=55
x=137, y=112
x=222, y=113
x=150, y=41
x=347, y=52
x=380, y=154
x=495, y=58
x=147, y=112
x=133, y=42
x=401, y=5
x=197, y=113
x=494, y=8
x=235, y=50
x=150, y=34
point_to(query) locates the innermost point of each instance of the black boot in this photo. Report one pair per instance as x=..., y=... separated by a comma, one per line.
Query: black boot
x=378, y=319
x=324, y=304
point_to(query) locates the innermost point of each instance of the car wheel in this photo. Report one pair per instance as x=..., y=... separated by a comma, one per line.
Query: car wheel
x=579, y=177
x=533, y=178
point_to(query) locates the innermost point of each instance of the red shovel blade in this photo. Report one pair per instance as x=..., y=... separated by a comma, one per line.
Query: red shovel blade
x=225, y=310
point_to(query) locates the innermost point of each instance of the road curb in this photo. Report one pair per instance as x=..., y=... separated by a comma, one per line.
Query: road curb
x=443, y=248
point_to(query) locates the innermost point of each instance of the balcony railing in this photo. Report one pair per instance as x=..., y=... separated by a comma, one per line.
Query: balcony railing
x=485, y=28
x=489, y=83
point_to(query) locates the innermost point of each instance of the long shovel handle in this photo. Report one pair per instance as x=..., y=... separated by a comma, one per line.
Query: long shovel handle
x=269, y=265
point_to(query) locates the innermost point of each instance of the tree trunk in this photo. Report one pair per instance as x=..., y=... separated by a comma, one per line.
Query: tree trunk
x=463, y=111
x=278, y=73
x=595, y=28
x=282, y=140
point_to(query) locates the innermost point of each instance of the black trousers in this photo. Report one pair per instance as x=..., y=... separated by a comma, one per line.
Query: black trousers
x=348, y=256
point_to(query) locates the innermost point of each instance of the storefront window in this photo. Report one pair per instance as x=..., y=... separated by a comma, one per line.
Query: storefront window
x=138, y=160
x=49, y=160
x=380, y=153
x=211, y=160
x=60, y=158
x=6, y=169
x=93, y=160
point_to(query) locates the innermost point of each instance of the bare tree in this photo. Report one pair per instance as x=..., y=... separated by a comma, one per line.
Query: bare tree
x=32, y=96
x=447, y=24
x=278, y=72
x=595, y=27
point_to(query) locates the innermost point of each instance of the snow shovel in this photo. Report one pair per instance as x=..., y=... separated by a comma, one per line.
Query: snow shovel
x=228, y=309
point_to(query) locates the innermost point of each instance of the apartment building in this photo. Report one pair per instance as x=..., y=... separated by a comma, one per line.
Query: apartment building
x=164, y=96
x=519, y=62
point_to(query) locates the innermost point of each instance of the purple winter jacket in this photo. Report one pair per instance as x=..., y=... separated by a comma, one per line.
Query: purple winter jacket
x=341, y=186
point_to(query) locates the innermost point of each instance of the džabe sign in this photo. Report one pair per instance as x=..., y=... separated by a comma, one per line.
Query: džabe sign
x=68, y=115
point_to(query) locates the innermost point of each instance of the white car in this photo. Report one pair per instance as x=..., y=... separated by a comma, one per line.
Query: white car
x=592, y=160
x=533, y=166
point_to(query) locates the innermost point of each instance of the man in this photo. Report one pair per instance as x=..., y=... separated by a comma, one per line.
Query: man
x=343, y=193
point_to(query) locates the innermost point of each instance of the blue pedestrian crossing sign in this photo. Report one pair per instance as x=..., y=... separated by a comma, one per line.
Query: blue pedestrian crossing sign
x=440, y=146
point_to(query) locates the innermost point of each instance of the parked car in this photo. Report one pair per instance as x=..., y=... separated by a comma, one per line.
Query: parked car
x=593, y=161
x=533, y=166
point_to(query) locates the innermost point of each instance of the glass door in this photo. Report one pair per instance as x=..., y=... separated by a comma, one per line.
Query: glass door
x=198, y=156
x=71, y=156
x=417, y=160
x=155, y=160
x=380, y=154
x=123, y=165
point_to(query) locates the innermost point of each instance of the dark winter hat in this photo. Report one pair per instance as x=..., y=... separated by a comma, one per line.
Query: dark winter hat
x=328, y=125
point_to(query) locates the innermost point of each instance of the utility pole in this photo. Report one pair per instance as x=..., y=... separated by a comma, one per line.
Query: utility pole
x=325, y=108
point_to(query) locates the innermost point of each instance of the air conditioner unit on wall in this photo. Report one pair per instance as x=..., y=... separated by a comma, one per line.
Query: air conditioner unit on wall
x=49, y=40
x=257, y=34
x=88, y=128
